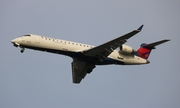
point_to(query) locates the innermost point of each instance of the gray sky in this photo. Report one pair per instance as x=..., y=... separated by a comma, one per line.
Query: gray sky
x=36, y=79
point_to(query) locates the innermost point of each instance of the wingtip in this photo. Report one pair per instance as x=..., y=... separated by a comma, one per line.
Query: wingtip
x=167, y=39
x=140, y=28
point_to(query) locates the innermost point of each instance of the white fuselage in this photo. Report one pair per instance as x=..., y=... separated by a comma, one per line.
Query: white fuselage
x=71, y=48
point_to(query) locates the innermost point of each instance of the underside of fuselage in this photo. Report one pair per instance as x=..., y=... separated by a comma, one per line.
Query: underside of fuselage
x=77, y=55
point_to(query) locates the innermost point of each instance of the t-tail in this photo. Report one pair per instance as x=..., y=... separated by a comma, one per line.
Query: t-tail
x=145, y=49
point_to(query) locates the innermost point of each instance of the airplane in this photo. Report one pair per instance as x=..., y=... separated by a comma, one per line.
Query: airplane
x=86, y=57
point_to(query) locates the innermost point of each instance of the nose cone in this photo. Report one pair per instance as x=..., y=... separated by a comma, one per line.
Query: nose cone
x=16, y=40
x=13, y=41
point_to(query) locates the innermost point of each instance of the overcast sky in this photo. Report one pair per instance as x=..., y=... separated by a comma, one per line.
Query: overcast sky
x=37, y=79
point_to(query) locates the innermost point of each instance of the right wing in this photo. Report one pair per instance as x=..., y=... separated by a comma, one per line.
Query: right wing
x=102, y=51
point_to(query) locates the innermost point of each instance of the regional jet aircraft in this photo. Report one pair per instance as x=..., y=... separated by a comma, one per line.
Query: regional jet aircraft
x=86, y=57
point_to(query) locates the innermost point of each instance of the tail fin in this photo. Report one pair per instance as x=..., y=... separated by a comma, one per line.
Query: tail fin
x=145, y=49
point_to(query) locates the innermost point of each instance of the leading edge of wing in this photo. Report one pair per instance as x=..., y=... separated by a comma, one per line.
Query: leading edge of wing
x=108, y=47
x=130, y=34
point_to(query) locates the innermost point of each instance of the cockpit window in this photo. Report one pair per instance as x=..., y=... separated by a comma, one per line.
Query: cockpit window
x=26, y=35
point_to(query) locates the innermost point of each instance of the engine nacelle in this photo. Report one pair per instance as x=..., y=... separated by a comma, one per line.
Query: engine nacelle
x=126, y=49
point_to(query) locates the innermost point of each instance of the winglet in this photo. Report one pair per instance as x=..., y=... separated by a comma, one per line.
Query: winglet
x=140, y=28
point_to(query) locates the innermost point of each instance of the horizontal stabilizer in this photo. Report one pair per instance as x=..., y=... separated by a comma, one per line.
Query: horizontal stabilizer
x=152, y=45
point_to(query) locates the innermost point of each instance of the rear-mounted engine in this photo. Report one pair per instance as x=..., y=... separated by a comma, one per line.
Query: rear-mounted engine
x=126, y=49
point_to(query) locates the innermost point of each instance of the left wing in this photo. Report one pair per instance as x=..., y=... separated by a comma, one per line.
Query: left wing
x=80, y=69
x=102, y=51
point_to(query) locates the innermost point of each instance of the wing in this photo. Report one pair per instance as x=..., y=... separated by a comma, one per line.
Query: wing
x=80, y=69
x=102, y=51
